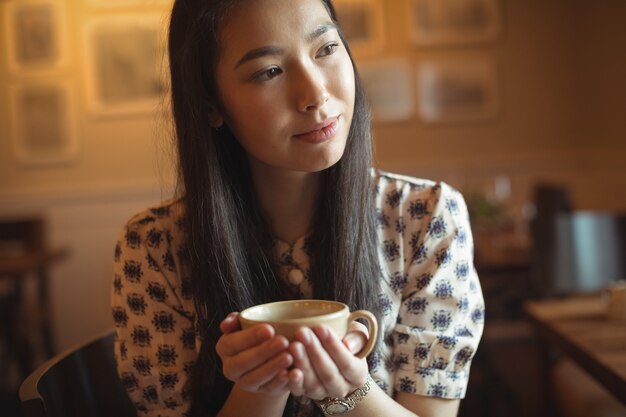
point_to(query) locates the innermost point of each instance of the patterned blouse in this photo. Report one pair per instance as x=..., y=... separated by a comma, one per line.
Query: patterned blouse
x=431, y=301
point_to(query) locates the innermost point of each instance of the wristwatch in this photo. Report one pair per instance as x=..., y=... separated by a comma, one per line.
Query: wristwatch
x=334, y=406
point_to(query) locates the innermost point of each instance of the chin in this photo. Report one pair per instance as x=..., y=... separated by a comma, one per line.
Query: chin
x=321, y=165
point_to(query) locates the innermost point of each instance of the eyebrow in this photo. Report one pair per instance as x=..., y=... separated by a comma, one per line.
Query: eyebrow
x=275, y=50
x=321, y=30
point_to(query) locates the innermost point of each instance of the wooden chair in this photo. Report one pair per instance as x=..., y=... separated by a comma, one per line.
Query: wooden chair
x=550, y=202
x=24, y=256
x=81, y=382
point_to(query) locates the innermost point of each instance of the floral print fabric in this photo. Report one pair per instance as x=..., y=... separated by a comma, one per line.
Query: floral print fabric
x=431, y=301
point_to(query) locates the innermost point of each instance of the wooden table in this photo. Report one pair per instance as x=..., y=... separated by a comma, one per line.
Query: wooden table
x=579, y=328
x=16, y=265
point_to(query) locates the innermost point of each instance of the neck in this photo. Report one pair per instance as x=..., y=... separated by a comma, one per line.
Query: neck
x=287, y=200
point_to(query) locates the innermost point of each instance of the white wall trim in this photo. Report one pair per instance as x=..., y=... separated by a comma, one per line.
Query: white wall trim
x=44, y=198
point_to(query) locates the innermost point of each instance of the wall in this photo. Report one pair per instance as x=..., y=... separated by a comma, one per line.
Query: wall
x=113, y=150
x=561, y=119
x=561, y=75
x=123, y=165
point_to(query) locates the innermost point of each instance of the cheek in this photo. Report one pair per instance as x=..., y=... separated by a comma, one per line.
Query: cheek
x=249, y=113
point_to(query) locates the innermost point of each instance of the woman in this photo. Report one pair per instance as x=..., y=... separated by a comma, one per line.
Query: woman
x=278, y=202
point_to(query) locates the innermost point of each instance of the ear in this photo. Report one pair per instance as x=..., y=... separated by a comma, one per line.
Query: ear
x=215, y=118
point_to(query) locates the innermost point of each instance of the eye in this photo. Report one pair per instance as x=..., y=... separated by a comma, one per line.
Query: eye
x=267, y=74
x=328, y=49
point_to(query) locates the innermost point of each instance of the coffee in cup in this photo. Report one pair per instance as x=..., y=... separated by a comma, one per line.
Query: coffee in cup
x=286, y=317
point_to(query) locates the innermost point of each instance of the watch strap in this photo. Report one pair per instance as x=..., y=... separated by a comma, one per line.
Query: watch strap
x=335, y=406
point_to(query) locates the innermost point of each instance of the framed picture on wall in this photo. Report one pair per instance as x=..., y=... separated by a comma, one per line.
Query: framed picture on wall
x=443, y=22
x=457, y=91
x=389, y=87
x=362, y=21
x=35, y=36
x=126, y=64
x=43, y=122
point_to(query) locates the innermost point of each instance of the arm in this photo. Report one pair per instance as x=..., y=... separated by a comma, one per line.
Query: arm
x=257, y=361
x=155, y=339
x=326, y=366
x=438, y=321
x=239, y=403
x=378, y=403
x=155, y=348
x=428, y=406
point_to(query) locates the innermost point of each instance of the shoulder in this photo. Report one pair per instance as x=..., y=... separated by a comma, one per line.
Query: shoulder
x=167, y=215
x=416, y=196
x=150, y=252
x=157, y=229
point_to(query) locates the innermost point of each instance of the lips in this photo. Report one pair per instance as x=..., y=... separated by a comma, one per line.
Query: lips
x=321, y=132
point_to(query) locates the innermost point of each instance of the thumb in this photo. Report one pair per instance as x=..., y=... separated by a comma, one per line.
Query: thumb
x=230, y=323
x=355, y=341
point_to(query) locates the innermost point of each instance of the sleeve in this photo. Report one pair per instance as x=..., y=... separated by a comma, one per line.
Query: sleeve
x=155, y=342
x=441, y=316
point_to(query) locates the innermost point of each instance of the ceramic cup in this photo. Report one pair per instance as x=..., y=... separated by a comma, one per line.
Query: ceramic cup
x=288, y=316
x=615, y=296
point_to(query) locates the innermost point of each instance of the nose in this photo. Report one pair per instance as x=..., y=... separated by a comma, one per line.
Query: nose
x=312, y=92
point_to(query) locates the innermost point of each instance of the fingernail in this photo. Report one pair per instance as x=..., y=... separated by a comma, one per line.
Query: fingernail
x=278, y=344
x=262, y=334
x=287, y=360
x=306, y=336
x=301, y=351
x=351, y=344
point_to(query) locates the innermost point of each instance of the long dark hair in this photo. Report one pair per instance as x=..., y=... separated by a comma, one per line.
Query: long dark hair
x=229, y=244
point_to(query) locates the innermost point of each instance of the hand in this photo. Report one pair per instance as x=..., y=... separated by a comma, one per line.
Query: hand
x=325, y=366
x=254, y=359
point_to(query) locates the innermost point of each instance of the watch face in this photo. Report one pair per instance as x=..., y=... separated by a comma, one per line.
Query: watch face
x=337, y=408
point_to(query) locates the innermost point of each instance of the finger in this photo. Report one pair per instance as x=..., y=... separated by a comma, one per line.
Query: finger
x=278, y=385
x=296, y=382
x=325, y=368
x=301, y=360
x=231, y=344
x=266, y=372
x=305, y=379
x=353, y=370
x=249, y=359
x=356, y=338
x=230, y=323
x=311, y=385
x=357, y=326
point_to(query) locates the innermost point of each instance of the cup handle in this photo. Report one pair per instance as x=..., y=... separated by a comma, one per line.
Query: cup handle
x=373, y=329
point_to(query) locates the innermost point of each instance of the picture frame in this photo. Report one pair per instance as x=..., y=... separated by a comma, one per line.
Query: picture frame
x=450, y=22
x=461, y=90
x=43, y=122
x=362, y=22
x=389, y=86
x=35, y=35
x=126, y=64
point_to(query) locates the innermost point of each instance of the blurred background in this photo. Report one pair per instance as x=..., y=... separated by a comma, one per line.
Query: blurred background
x=517, y=103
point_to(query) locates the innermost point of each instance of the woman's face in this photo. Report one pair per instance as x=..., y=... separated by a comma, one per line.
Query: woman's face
x=286, y=83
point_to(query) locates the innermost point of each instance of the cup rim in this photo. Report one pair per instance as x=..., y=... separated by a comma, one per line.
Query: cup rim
x=244, y=314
